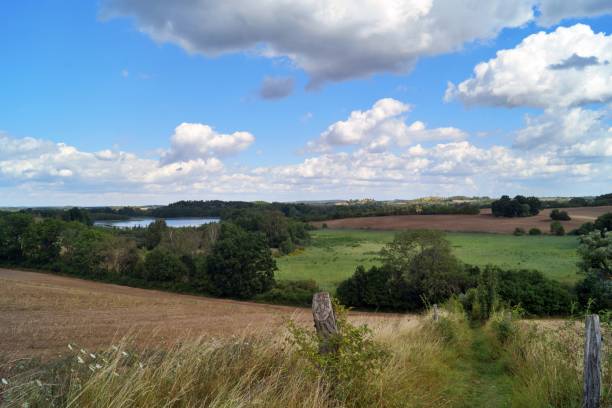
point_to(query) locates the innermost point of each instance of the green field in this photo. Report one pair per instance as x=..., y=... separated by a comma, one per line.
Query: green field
x=334, y=254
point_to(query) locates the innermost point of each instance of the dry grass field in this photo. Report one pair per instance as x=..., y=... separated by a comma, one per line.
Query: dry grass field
x=41, y=313
x=484, y=222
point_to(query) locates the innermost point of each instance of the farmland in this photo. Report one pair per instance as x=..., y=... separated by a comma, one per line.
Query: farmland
x=483, y=222
x=334, y=254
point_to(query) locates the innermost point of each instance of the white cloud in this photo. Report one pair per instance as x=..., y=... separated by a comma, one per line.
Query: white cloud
x=570, y=66
x=330, y=40
x=379, y=128
x=560, y=129
x=276, y=87
x=194, y=140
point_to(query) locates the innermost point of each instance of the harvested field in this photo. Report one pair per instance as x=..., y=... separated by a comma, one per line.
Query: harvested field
x=484, y=222
x=41, y=313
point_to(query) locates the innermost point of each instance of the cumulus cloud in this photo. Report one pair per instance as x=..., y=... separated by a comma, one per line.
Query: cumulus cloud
x=195, y=140
x=331, y=41
x=276, y=87
x=542, y=71
x=379, y=128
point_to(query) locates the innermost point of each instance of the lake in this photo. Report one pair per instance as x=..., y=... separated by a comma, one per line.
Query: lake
x=144, y=222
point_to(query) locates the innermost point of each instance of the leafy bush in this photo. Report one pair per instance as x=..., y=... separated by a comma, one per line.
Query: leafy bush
x=559, y=215
x=298, y=292
x=604, y=222
x=535, y=231
x=356, y=359
x=556, y=228
x=518, y=231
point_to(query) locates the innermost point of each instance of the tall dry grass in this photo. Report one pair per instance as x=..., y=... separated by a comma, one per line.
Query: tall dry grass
x=545, y=360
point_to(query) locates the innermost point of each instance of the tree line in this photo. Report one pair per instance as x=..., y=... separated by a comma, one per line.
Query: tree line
x=230, y=259
x=418, y=268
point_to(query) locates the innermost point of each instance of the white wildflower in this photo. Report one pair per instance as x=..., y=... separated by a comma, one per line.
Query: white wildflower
x=39, y=383
x=80, y=360
x=141, y=366
x=125, y=354
x=115, y=348
x=70, y=347
x=92, y=368
x=98, y=366
x=83, y=351
x=4, y=381
x=92, y=355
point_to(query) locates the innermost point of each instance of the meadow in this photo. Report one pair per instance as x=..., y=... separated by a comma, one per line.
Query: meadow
x=334, y=254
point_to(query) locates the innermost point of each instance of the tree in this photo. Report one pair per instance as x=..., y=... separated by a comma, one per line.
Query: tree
x=241, y=264
x=559, y=215
x=604, y=222
x=77, y=214
x=595, y=251
x=556, y=228
x=154, y=233
x=13, y=226
x=41, y=242
x=162, y=265
x=83, y=250
x=519, y=206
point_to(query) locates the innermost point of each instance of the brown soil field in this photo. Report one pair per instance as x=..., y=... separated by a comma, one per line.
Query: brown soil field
x=484, y=222
x=40, y=314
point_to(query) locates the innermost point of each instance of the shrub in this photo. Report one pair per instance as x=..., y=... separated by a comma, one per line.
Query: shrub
x=604, y=222
x=556, y=228
x=535, y=231
x=584, y=229
x=297, y=292
x=559, y=215
x=356, y=359
x=518, y=231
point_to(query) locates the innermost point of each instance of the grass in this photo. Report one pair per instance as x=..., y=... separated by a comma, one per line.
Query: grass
x=334, y=254
x=430, y=364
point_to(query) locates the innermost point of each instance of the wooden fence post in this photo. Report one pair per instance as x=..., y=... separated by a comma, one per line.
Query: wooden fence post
x=435, y=312
x=592, y=363
x=324, y=320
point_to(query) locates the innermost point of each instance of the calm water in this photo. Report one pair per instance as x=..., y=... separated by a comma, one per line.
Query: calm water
x=171, y=222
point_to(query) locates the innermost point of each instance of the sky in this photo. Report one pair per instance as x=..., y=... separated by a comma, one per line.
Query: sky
x=135, y=102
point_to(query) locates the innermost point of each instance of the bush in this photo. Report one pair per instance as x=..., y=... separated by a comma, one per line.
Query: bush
x=535, y=231
x=559, y=215
x=604, y=222
x=518, y=231
x=357, y=357
x=556, y=228
x=298, y=292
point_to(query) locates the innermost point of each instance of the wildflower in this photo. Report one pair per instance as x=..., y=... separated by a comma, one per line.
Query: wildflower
x=115, y=348
x=92, y=368
x=98, y=366
x=39, y=383
x=70, y=347
x=92, y=355
x=83, y=351
x=141, y=366
x=125, y=354
x=80, y=360
x=4, y=381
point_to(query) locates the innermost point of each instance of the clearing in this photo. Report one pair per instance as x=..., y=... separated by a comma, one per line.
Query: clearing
x=483, y=222
x=334, y=254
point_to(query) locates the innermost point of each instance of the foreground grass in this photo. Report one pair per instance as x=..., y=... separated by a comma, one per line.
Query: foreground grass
x=430, y=364
x=334, y=254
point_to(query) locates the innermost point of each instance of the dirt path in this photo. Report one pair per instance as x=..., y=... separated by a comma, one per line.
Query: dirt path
x=41, y=313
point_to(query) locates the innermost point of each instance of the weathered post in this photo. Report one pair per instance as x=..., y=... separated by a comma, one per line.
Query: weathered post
x=324, y=320
x=435, y=312
x=592, y=363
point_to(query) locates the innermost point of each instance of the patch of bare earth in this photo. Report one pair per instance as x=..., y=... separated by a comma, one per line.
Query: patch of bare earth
x=41, y=313
x=483, y=222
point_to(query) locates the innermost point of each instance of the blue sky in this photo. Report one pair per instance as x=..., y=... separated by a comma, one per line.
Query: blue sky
x=94, y=93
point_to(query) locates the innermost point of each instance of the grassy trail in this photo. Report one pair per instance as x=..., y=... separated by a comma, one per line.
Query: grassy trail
x=486, y=382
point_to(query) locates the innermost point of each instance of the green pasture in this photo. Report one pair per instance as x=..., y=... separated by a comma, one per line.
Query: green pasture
x=334, y=254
